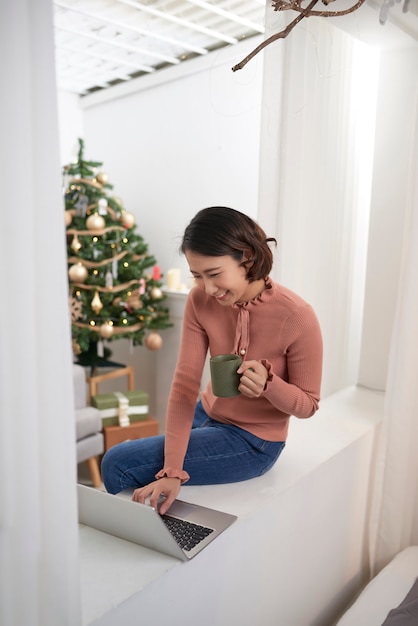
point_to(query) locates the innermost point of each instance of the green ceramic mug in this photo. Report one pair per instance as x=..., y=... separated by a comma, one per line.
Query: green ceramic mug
x=223, y=373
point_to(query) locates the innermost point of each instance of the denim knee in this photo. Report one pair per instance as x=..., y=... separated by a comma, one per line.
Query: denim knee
x=133, y=463
x=111, y=473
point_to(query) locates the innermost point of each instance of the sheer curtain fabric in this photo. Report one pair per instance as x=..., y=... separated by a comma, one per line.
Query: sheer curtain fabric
x=394, y=520
x=39, y=578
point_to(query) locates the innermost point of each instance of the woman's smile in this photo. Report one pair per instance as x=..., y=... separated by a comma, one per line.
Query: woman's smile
x=223, y=278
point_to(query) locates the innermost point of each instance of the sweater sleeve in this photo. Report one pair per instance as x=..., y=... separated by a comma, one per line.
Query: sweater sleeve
x=298, y=393
x=184, y=392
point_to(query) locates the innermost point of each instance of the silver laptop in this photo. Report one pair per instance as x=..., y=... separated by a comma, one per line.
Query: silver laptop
x=182, y=532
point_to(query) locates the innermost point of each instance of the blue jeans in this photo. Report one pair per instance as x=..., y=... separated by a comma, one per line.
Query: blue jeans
x=217, y=453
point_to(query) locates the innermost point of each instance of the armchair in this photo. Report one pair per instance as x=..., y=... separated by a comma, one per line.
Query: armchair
x=88, y=427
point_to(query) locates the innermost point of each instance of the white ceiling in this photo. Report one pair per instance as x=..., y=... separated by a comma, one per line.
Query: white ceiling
x=100, y=43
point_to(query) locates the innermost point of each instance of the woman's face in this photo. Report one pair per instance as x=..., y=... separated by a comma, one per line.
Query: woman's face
x=221, y=277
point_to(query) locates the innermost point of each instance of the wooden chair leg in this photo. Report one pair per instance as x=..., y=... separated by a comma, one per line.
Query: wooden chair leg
x=94, y=470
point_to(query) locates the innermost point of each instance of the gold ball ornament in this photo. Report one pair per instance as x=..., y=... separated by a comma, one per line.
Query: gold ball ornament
x=68, y=218
x=127, y=219
x=102, y=178
x=153, y=341
x=106, y=330
x=156, y=293
x=95, y=222
x=78, y=273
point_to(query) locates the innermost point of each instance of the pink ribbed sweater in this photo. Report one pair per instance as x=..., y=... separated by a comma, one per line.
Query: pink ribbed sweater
x=279, y=329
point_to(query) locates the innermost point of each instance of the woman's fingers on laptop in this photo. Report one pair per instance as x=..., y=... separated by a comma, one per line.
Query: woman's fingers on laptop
x=168, y=488
x=142, y=494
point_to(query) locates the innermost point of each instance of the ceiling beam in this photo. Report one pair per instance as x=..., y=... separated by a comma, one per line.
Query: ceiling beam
x=233, y=17
x=180, y=21
x=116, y=43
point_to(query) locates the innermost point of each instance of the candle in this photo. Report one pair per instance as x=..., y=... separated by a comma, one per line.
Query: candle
x=174, y=278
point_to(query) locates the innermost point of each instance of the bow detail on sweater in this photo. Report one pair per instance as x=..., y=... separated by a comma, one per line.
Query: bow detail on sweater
x=242, y=332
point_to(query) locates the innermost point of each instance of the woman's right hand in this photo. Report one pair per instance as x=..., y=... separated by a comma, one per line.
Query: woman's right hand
x=168, y=487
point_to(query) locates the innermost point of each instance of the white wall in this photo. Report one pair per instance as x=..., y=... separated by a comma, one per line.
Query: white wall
x=70, y=124
x=174, y=146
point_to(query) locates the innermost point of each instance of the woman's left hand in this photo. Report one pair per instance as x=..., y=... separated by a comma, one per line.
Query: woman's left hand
x=253, y=378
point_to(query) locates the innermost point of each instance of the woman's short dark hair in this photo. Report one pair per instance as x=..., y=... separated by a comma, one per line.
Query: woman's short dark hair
x=221, y=231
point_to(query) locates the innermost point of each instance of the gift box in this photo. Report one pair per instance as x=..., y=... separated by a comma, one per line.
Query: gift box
x=137, y=430
x=120, y=409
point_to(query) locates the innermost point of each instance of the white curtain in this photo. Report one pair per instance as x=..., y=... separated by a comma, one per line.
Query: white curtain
x=316, y=161
x=328, y=163
x=39, y=579
x=394, y=519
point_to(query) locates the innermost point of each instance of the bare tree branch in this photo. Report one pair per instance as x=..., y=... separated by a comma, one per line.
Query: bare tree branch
x=295, y=5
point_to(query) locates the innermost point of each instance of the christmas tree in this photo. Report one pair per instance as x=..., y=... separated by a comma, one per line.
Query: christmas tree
x=115, y=285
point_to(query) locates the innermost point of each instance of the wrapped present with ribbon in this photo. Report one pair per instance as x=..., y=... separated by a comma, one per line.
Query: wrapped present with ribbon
x=120, y=409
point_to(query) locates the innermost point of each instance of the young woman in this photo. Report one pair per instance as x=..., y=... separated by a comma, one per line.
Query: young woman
x=234, y=308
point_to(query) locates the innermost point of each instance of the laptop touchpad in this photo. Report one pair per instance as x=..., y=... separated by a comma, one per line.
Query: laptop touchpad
x=181, y=509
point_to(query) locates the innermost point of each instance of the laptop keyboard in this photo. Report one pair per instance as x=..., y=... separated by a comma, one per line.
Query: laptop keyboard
x=187, y=534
